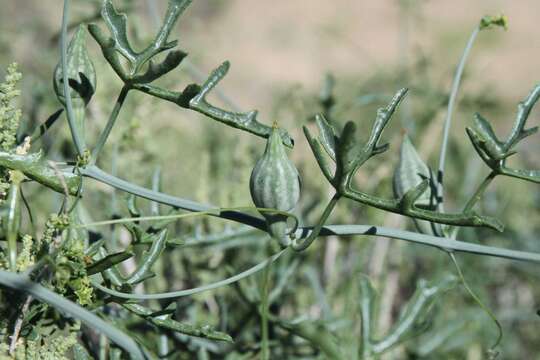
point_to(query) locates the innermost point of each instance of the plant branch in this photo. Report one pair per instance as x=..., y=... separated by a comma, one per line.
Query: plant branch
x=188, y=292
x=77, y=140
x=449, y=112
x=474, y=199
x=110, y=123
x=479, y=302
x=304, y=232
x=317, y=229
x=265, y=352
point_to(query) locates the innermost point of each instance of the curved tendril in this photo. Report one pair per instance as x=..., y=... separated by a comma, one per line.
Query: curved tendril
x=212, y=212
x=479, y=302
x=187, y=292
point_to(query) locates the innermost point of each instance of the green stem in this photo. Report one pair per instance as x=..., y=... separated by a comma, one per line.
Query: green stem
x=479, y=192
x=448, y=120
x=304, y=232
x=474, y=199
x=144, y=218
x=479, y=302
x=188, y=292
x=110, y=123
x=13, y=219
x=317, y=229
x=265, y=355
x=79, y=143
x=400, y=207
x=527, y=175
x=441, y=243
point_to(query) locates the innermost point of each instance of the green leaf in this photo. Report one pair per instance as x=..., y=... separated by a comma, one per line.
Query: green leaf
x=416, y=314
x=117, y=24
x=163, y=319
x=149, y=258
x=327, y=135
x=204, y=331
x=319, y=153
x=383, y=117
x=347, y=149
x=94, y=247
x=155, y=71
x=245, y=121
x=318, y=335
x=107, y=262
x=132, y=206
x=489, y=142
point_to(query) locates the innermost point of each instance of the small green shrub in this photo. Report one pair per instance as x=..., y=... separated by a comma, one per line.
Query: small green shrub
x=67, y=293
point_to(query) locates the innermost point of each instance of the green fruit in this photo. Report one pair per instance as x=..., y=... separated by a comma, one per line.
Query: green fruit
x=80, y=72
x=409, y=173
x=81, y=76
x=275, y=184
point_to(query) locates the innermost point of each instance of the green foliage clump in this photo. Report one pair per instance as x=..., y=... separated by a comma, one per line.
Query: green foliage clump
x=70, y=275
x=27, y=256
x=118, y=275
x=50, y=348
x=10, y=115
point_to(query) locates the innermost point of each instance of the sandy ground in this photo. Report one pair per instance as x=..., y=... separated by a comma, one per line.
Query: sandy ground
x=272, y=44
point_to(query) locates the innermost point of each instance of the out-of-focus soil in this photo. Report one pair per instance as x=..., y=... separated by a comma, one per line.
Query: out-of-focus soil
x=272, y=44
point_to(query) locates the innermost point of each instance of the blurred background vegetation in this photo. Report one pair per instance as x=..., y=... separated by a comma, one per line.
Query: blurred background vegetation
x=281, y=54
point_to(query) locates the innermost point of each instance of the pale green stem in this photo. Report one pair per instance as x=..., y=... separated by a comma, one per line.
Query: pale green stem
x=479, y=302
x=304, y=232
x=265, y=352
x=188, y=292
x=448, y=120
x=317, y=229
x=79, y=143
x=474, y=199
x=110, y=124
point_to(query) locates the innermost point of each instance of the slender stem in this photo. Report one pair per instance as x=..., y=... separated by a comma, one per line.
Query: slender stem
x=304, y=232
x=188, y=292
x=265, y=354
x=317, y=229
x=474, y=199
x=110, y=123
x=18, y=325
x=479, y=302
x=79, y=143
x=212, y=212
x=440, y=243
x=448, y=120
x=156, y=186
x=13, y=218
x=144, y=218
x=479, y=192
x=97, y=174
